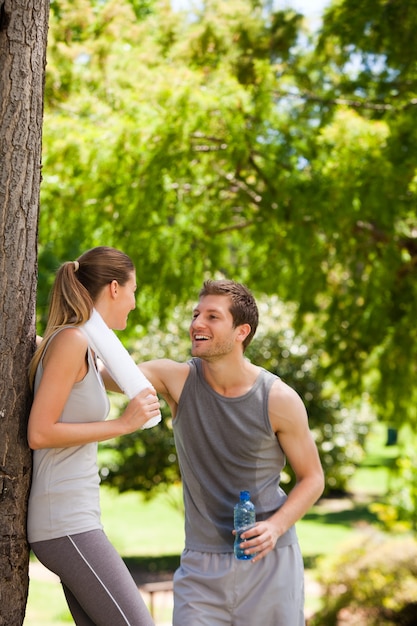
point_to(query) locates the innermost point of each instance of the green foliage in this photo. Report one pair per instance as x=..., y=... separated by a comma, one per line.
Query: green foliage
x=364, y=46
x=396, y=511
x=156, y=155
x=372, y=581
x=219, y=143
x=144, y=461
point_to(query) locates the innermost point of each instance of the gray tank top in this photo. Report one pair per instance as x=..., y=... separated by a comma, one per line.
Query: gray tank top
x=226, y=445
x=64, y=497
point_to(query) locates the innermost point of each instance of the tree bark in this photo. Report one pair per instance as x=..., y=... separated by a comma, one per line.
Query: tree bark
x=23, y=38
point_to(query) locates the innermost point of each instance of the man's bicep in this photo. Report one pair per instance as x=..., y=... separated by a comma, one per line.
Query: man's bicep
x=167, y=376
x=290, y=422
x=154, y=372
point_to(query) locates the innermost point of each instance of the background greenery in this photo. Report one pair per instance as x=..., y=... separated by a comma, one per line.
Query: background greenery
x=231, y=140
x=228, y=139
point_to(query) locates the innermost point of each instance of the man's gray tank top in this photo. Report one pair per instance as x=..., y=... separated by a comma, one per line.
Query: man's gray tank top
x=65, y=497
x=226, y=445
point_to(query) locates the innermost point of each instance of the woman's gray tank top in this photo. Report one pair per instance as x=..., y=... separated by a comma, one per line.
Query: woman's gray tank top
x=226, y=445
x=64, y=497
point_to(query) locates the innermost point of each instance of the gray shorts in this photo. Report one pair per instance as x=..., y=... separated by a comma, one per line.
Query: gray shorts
x=218, y=590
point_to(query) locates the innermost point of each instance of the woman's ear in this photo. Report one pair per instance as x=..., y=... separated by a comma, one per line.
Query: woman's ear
x=114, y=286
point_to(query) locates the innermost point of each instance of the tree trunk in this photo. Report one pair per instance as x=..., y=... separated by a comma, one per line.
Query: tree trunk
x=23, y=37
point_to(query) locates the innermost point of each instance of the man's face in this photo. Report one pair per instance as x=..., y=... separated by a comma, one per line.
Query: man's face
x=211, y=331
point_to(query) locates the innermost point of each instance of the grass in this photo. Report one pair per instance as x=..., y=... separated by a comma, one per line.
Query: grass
x=46, y=605
x=136, y=527
x=150, y=535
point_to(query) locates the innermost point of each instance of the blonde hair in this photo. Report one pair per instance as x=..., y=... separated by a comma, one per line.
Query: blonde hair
x=76, y=287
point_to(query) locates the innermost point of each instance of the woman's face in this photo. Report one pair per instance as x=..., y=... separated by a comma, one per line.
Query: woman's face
x=125, y=301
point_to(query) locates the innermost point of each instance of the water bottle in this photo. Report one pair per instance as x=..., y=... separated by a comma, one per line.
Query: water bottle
x=244, y=518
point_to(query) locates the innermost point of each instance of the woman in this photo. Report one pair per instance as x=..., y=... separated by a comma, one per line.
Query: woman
x=66, y=421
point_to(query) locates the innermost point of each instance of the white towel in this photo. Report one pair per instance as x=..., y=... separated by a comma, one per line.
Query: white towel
x=117, y=359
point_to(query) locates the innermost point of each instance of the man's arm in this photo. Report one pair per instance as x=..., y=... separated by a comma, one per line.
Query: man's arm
x=290, y=423
x=168, y=377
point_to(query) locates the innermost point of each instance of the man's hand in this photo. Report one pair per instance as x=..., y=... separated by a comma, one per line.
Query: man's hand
x=260, y=539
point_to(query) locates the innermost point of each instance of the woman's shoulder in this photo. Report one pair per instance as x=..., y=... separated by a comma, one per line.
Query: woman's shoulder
x=68, y=340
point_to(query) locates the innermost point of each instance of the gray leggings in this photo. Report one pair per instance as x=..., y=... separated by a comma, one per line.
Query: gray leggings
x=98, y=587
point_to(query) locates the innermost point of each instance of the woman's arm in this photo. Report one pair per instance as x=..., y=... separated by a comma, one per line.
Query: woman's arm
x=64, y=365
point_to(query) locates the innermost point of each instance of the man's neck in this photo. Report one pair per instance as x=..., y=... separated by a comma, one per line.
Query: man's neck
x=230, y=378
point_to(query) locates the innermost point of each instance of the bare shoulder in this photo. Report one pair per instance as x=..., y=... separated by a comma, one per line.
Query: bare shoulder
x=163, y=367
x=283, y=393
x=70, y=341
x=286, y=408
x=70, y=335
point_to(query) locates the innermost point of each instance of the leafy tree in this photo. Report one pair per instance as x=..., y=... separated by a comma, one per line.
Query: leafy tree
x=224, y=143
x=151, y=160
x=365, y=108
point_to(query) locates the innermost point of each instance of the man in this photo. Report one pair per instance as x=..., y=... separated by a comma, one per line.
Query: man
x=233, y=424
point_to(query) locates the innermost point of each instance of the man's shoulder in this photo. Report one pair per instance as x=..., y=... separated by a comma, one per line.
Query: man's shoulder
x=283, y=392
x=165, y=368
